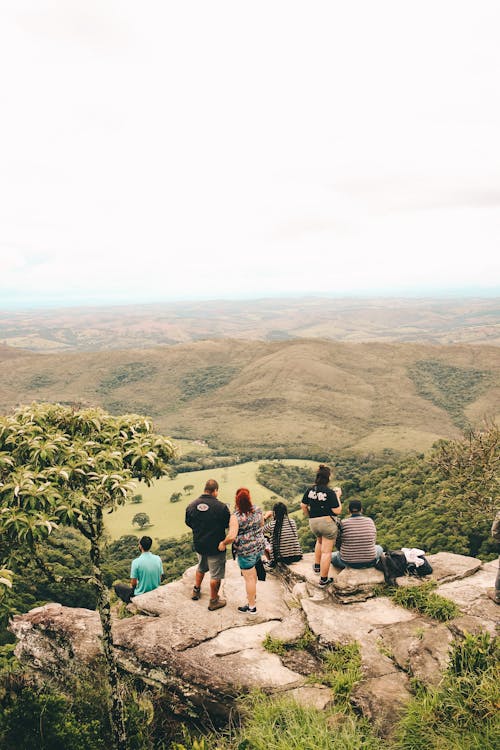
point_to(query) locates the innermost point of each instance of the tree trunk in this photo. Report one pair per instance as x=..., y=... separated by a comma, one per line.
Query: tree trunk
x=116, y=708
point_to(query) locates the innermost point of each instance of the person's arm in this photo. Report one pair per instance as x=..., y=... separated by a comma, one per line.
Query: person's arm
x=267, y=514
x=232, y=533
x=133, y=574
x=305, y=509
x=338, y=510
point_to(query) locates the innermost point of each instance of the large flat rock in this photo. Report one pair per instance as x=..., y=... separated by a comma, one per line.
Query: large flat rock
x=382, y=699
x=188, y=622
x=335, y=623
x=447, y=566
x=207, y=658
x=418, y=647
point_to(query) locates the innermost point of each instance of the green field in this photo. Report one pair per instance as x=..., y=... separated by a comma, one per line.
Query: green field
x=167, y=519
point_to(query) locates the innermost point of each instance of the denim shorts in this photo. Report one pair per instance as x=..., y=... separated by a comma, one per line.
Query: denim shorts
x=246, y=563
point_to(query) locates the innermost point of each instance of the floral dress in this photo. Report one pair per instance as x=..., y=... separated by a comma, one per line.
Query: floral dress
x=250, y=540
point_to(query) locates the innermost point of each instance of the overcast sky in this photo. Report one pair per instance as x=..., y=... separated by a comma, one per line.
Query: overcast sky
x=161, y=150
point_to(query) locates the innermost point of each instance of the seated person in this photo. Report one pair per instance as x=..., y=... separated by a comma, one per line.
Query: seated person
x=145, y=573
x=282, y=533
x=357, y=547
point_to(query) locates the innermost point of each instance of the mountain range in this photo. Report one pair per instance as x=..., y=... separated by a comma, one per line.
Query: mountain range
x=328, y=395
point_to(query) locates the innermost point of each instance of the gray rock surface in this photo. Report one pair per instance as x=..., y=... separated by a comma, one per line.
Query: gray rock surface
x=207, y=658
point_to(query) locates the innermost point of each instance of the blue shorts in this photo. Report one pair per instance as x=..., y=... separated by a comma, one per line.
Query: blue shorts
x=246, y=563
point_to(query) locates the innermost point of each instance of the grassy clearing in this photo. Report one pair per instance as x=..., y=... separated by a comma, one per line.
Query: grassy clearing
x=167, y=519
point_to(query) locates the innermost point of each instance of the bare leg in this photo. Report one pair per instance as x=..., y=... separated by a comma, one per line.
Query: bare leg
x=198, y=579
x=326, y=556
x=317, y=551
x=250, y=577
x=214, y=588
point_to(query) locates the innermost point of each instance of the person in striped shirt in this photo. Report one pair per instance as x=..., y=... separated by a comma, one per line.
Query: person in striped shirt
x=282, y=531
x=358, y=548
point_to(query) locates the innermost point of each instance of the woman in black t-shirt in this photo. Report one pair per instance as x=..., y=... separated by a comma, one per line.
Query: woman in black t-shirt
x=320, y=504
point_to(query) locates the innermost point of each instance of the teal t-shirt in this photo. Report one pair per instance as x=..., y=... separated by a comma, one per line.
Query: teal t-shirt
x=147, y=568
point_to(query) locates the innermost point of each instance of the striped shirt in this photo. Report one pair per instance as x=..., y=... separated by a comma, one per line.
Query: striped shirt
x=358, y=539
x=289, y=541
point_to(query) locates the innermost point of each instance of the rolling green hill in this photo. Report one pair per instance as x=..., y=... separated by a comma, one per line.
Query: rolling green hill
x=325, y=395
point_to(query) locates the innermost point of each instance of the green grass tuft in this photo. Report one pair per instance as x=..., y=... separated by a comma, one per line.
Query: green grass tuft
x=422, y=599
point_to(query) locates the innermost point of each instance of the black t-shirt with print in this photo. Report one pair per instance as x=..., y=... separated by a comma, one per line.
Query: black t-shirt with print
x=321, y=501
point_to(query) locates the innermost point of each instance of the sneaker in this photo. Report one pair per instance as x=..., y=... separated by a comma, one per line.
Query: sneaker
x=325, y=581
x=247, y=608
x=316, y=568
x=196, y=593
x=216, y=604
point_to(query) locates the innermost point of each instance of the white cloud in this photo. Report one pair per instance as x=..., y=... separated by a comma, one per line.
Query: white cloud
x=224, y=149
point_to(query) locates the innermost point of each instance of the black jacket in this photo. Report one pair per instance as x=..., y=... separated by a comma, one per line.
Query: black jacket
x=209, y=519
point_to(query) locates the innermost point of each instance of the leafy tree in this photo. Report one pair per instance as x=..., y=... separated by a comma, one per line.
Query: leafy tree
x=175, y=497
x=64, y=467
x=471, y=470
x=141, y=519
x=188, y=488
x=136, y=499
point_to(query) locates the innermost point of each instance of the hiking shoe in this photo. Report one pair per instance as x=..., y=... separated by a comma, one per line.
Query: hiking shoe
x=325, y=581
x=247, y=608
x=316, y=568
x=216, y=604
x=196, y=593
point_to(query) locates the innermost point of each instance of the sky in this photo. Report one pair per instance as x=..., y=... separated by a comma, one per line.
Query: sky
x=182, y=150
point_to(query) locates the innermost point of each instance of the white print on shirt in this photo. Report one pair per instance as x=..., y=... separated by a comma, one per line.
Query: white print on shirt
x=202, y=506
x=313, y=495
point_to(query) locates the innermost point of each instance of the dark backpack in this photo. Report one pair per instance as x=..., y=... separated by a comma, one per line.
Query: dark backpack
x=392, y=564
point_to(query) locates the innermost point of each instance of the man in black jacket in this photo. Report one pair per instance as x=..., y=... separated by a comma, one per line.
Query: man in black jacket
x=209, y=518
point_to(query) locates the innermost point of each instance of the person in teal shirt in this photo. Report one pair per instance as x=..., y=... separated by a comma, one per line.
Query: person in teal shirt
x=145, y=573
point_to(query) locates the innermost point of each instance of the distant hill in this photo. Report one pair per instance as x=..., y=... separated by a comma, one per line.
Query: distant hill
x=437, y=321
x=306, y=392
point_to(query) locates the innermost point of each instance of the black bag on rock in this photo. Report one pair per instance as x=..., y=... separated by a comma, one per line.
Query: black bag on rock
x=392, y=564
x=420, y=570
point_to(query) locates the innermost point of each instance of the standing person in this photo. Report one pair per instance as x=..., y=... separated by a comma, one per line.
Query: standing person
x=358, y=548
x=282, y=530
x=320, y=504
x=209, y=518
x=145, y=573
x=494, y=594
x=248, y=545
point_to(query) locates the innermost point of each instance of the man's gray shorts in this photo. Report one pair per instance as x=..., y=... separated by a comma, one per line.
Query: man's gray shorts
x=216, y=564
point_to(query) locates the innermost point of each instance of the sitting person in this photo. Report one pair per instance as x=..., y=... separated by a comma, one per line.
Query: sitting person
x=145, y=573
x=282, y=532
x=358, y=548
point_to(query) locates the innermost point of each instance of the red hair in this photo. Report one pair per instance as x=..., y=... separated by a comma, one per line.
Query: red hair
x=243, y=502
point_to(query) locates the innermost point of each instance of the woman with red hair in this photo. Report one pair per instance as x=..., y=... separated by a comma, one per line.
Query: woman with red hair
x=249, y=544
